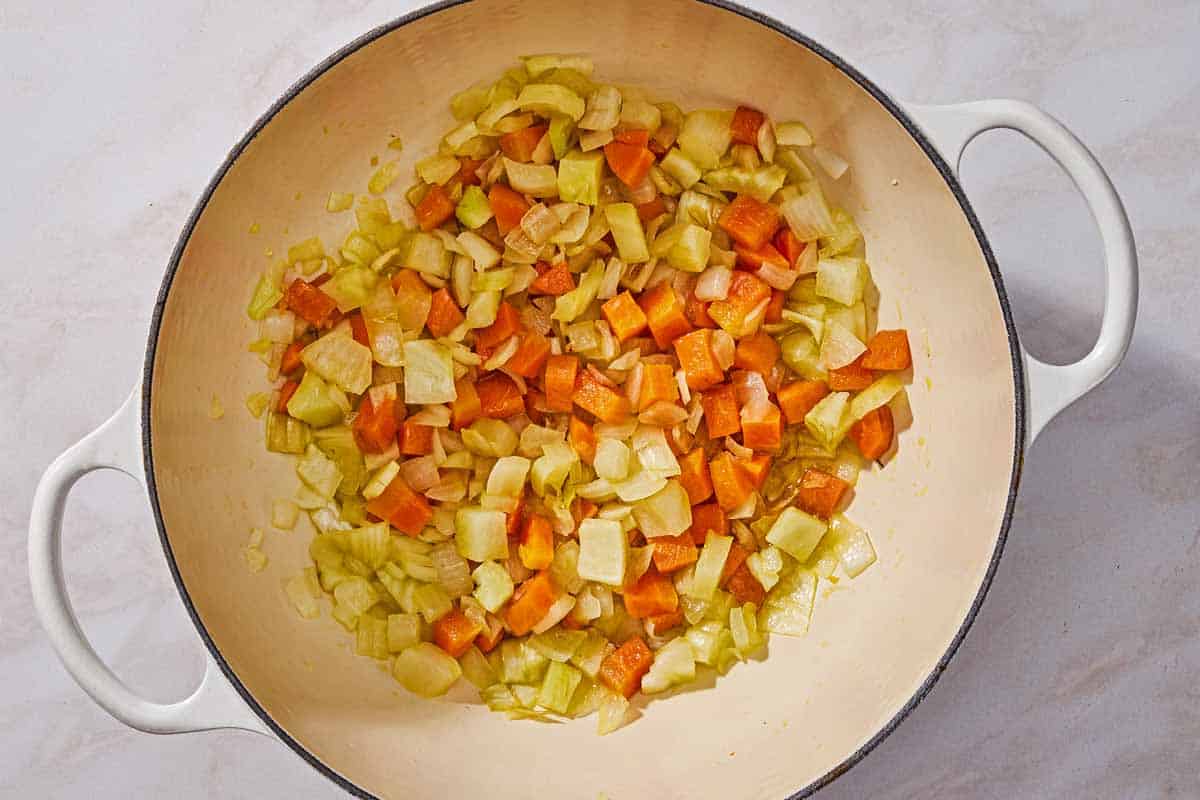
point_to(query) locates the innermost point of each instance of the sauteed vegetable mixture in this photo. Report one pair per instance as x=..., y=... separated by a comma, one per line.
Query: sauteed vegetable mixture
x=578, y=414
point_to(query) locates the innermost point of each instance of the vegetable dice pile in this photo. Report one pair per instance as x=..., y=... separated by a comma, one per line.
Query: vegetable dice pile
x=589, y=425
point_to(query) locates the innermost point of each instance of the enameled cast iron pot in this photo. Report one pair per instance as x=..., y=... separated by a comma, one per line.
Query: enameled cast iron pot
x=938, y=514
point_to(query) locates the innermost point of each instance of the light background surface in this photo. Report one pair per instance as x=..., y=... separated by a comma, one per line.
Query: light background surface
x=1080, y=676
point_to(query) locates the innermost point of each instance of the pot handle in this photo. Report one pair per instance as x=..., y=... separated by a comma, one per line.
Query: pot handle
x=114, y=445
x=1052, y=388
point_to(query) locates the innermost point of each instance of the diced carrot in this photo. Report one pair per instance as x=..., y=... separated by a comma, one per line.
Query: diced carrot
x=581, y=437
x=731, y=485
x=749, y=222
x=552, y=280
x=401, y=507
x=559, y=381
x=745, y=125
x=622, y=670
x=468, y=171
x=466, y=407
x=530, y=602
x=775, y=307
x=605, y=403
x=507, y=206
x=694, y=476
x=697, y=360
x=851, y=378
x=651, y=209
x=499, y=397
x=358, y=329
x=435, y=208
x=444, y=314
x=415, y=439
x=291, y=359
x=874, y=432
x=532, y=351
x=696, y=311
x=745, y=588
x=508, y=323
x=624, y=316
x=798, y=398
x=721, y=411
x=374, y=426
x=515, y=518
x=674, y=552
x=455, y=632
x=755, y=468
x=752, y=258
x=519, y=145
x=708, y=517
x=493, y=633
x=888, y=350
x=820, y=492
x=653, y=593
x=664, y=314
x=658, y=624
x=629, y=162
x=765, y=432
x=658, y=385
x=634, y=136
x=746, y=291
x=536, y=550
x=789, y=245
x=285, y=394
x=737, y=556
x=757, y=353
x=310, y=303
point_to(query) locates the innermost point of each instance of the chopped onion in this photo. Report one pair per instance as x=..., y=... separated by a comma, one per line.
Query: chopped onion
x=540, y=223
x=641, y=485
x=453, y=571
x=615, y=430
x=685, y=394
x=644, y=192
x=839, y=347
x=834, y=165
x=434, y=416
x=746, y=509
x=633, y=384
x=452, y=488
x=506, y=351
x=777, y=277
x=663, y=413
x=562, y=606
x=714, y=284
x=420, y=473
x=751, y=388
x=627, y=360
x=724, y=349
x=739, y=450
x=695, y=416
x=611, y=280
x=766, y=141
x=279, y=326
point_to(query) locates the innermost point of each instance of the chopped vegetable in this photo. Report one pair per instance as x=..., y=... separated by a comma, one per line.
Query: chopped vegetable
x=873, y=433
x=551, y=417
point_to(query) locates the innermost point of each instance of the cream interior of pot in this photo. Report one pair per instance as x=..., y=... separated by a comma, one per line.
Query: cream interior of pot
x=768, y=728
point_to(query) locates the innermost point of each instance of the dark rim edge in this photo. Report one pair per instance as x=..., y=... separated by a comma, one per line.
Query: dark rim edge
x=878, y=94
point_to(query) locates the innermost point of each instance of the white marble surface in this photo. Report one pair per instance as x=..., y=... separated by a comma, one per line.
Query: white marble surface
x=1079, y=678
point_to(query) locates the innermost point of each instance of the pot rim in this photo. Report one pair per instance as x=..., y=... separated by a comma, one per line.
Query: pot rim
x=768, y=22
